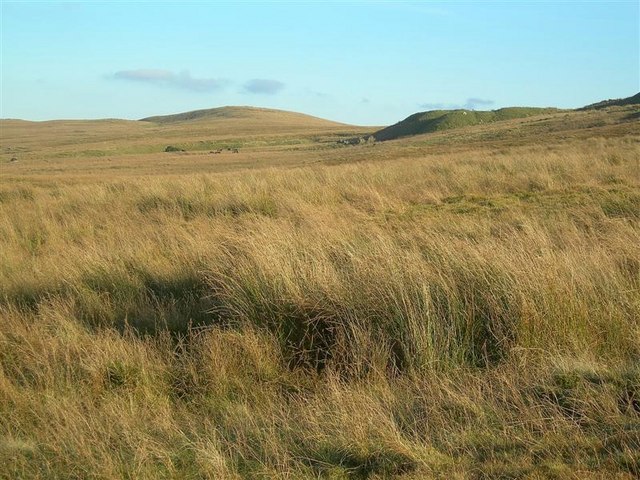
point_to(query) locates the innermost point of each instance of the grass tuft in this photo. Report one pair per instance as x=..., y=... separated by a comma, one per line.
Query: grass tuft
x=462, y=313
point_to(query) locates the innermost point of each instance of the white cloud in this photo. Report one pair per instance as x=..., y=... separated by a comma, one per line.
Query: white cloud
x=263, y=86
x=167, y=78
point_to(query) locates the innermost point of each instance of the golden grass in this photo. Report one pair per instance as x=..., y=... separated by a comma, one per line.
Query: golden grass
x=65, y=148
x=472, y=312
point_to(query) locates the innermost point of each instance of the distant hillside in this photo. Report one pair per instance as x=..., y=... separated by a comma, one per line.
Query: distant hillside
x=436, y=120
x=265, y=116
x=619, y=102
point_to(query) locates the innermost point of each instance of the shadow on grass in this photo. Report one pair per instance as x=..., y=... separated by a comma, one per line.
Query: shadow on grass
x=351, y=463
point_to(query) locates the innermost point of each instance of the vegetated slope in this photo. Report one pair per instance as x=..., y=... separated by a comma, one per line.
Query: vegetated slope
x=436, y=120
x=458, y=315
x=618, y=102
x=126, y=141
x=304, y=322
x=266, y=116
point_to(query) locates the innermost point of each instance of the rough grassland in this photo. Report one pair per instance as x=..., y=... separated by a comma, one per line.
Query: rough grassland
x=466, y=311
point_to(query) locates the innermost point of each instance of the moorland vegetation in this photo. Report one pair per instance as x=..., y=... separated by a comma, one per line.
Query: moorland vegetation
x=462, y=304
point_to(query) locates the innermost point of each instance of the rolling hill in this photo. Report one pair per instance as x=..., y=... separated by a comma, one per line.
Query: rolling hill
x=265, y=116
x=437, y=120
x=298, y=308
x=126, y=143
x=618, y=102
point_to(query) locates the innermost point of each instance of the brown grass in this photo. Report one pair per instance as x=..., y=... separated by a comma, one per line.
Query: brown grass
x=470, y=311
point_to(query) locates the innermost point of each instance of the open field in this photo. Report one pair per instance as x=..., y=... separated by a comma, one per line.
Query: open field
x=265, y=138
x=462, y=304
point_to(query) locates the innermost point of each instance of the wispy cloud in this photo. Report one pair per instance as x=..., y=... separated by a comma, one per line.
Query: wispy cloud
x=316, y=93
x=263, y=86
x=432, y=106
x=167, y=78
x=470, y=104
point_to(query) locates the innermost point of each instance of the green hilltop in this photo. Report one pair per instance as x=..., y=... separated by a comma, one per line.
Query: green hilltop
x=618, y=102
x=436, y=120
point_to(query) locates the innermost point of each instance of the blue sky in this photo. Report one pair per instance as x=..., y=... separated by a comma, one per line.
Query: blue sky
x=368, y=63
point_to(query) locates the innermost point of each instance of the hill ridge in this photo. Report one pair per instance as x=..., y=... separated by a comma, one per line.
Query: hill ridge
x=236, y=112
x=435, y=120
x=616, y=102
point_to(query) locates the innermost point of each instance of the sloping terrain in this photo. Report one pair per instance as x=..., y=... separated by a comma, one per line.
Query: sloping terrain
x=123, y=144
x=437, y=120
x=458, y=304
x=247, y=115
x=618, y=102
x=462, y=309
x=121, y=147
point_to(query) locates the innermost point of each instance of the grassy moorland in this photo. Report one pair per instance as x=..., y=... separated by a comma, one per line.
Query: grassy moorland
x=464, y=304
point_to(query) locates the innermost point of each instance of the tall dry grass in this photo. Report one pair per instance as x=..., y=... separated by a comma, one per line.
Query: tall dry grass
x=471, y=314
